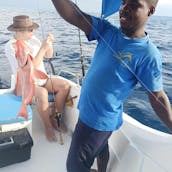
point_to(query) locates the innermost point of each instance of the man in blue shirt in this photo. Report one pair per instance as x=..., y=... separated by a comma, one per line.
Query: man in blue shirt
x=124, y=56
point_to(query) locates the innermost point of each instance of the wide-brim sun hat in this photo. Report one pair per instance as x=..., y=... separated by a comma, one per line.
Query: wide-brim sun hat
x=22, y=23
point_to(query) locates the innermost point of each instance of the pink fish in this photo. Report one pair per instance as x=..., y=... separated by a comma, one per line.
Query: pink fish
x=26, y=75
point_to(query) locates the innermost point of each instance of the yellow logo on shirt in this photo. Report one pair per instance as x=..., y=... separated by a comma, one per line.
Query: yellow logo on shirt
x=123, y=56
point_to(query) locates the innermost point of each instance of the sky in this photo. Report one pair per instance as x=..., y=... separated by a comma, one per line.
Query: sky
x=164, y=7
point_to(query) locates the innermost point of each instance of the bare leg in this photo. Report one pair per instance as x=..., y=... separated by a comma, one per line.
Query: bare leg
x=62, y=88
x=42, y=103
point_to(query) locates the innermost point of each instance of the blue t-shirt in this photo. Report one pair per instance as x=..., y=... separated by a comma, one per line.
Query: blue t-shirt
x=119, y=63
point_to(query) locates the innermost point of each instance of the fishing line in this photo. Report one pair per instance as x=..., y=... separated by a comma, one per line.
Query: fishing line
x=43, y=36
x=57, y=114
x=39, y=13
x=126, y=65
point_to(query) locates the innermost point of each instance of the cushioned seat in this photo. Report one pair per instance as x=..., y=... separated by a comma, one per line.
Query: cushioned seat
x=51, y=97
x=9, y=108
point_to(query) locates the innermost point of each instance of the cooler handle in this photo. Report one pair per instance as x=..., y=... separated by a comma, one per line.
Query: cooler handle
x=7, y=141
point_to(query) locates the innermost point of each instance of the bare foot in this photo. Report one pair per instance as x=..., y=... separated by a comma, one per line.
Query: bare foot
x=50, y=134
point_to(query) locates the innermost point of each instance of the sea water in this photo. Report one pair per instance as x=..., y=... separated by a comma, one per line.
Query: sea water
x=67, y=54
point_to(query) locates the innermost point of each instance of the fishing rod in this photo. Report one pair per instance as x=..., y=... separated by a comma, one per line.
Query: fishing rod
x=81, y=54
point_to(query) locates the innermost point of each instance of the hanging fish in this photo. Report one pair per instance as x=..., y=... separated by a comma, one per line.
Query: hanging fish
x=26, y=75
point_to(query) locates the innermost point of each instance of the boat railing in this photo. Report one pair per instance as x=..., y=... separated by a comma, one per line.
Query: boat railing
x=70, y=75
x=76, y=78
x=12, y=87
x=63, y=72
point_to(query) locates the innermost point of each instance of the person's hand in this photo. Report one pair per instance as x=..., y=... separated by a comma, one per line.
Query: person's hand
x=46, y=45
x=50, y=37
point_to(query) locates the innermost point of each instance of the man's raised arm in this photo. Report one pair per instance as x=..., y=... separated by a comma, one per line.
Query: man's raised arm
x=72, y=14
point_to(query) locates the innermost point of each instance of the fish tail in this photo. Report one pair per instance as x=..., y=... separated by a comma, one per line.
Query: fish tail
x=23, y=112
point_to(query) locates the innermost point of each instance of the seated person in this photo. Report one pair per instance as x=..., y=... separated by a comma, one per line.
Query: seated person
x=23, y=29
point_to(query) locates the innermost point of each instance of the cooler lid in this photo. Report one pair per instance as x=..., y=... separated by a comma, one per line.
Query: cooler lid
x=9, y=108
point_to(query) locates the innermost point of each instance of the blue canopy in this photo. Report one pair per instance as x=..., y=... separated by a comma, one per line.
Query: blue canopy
x=110, y=7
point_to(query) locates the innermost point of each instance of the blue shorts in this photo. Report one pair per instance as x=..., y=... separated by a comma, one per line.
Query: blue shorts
x=87, y=143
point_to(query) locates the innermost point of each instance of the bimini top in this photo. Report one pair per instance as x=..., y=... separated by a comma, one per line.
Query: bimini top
x=9, y=108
